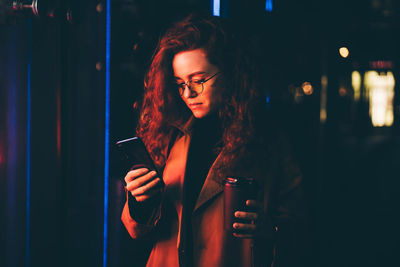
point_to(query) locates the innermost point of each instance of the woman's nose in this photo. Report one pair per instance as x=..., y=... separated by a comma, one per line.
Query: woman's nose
x=188, y=93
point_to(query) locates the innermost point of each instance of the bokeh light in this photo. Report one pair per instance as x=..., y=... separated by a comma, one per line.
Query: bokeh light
x=344, y=52
x=307, y=88
x=356, y=83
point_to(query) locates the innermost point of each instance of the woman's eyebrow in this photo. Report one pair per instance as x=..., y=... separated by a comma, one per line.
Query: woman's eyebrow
x=196, y=73
x=191, y=75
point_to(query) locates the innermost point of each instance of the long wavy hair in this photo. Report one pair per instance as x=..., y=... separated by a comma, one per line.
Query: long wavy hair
x=162, y=106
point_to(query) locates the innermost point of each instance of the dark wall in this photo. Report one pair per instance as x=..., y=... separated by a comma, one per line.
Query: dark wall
x=13, y=141
x=62, y=208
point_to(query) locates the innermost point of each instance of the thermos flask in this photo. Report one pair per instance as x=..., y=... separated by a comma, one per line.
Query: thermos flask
x=236, y=192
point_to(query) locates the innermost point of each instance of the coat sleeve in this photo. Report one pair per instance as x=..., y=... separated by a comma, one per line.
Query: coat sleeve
x=140, y=219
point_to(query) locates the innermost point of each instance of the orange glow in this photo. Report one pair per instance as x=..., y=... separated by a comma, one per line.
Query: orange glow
x=324, y=87
x=99, y=8
x=307, y=88
x=342, y=91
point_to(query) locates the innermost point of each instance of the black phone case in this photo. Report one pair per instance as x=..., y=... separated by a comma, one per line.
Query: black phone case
x=136, y=154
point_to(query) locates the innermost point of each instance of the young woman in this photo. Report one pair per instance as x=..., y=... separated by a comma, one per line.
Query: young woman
x=202, y=121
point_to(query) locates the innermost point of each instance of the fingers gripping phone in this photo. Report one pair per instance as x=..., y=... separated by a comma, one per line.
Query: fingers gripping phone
x=136, y=154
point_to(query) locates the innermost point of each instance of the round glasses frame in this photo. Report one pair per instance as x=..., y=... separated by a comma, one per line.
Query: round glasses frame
x=194, y=86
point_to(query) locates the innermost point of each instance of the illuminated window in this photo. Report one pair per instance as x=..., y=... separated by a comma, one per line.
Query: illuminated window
x=379, y=89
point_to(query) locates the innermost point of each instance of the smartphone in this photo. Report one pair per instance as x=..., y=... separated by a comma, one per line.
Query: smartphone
x=136, y=154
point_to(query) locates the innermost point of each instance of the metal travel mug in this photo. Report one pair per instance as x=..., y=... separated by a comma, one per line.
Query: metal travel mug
x=236, y=192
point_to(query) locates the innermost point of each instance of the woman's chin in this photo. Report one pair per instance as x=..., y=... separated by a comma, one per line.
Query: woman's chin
x=198, y=114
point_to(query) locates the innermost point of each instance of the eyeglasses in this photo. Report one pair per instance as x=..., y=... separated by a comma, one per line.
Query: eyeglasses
x=196, y=86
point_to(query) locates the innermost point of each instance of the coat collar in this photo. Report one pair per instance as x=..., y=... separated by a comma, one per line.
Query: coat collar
x=184, y=127
x=213, y=185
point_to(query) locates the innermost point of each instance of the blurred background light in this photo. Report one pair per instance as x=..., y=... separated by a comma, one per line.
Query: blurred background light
x=268, y=5
x=342, y=91
x=298, y=94
x=381, y=64
x=307, y=88
x=216, y=8
x=344, y=52
x=356, y=83
x=324, y=88
x=380, y=90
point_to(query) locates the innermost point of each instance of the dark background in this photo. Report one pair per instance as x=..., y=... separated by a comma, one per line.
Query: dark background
x=53, y=86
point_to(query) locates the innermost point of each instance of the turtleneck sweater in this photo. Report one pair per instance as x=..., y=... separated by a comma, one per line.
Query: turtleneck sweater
x=206, y=135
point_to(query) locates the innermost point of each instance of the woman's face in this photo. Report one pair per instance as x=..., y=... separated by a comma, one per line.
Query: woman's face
x=194, y=66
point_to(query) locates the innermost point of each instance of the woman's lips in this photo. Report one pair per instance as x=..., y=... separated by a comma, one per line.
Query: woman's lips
x=194, y=105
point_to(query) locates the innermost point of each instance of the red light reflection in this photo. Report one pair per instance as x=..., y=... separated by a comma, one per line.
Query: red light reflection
x=381, y=64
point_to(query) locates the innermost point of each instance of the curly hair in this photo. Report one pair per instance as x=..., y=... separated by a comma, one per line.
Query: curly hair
x=162, y=105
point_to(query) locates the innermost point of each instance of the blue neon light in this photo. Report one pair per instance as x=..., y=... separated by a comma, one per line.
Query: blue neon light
x=12, y=149
x=268, y=5
x=216, y=8
x=28, y=147
x=107, y=133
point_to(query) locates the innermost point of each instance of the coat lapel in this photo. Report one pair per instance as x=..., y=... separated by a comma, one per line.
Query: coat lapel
x=245, y=166
x=213, y=185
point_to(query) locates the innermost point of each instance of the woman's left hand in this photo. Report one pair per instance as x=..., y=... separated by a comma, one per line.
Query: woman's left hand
x=248, y=229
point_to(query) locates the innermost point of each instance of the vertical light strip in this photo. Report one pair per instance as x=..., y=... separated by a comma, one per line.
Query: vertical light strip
x=268, y=5
x=107, y=132
x=12, y=147
x=216, y=7
x=28, y=145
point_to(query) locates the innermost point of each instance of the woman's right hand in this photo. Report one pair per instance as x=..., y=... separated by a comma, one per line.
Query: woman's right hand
x=143, y=184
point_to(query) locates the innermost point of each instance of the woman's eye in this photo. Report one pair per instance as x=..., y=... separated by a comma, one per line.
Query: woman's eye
x=198, y=81
x=180, y=85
